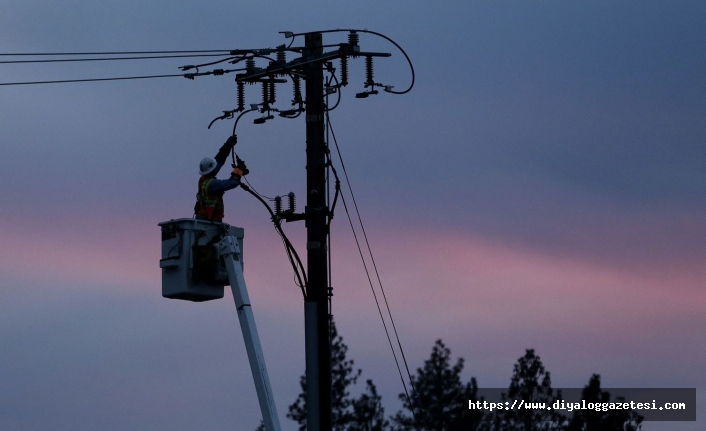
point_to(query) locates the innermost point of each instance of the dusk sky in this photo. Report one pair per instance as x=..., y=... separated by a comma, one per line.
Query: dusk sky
x=542, y=186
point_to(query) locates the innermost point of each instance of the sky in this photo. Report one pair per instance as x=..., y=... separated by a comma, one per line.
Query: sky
x=542, y=186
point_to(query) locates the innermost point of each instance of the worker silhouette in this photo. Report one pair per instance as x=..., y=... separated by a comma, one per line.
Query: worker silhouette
x=209, y=199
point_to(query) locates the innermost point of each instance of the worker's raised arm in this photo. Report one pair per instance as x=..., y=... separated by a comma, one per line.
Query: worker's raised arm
x=225, y=149
x=220, y=186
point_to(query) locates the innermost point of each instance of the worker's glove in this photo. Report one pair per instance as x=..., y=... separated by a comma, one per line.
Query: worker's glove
x=240, y=169
x=232, y=140
x=241, y=165
x=226, y=149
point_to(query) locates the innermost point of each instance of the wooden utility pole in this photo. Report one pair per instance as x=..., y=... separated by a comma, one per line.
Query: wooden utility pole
x=316, y=305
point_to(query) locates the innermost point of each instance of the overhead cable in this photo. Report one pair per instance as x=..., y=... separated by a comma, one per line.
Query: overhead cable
x=67, y=60
x=291, y=251
x=181, y=75
x=355, y=236
x=112, y=53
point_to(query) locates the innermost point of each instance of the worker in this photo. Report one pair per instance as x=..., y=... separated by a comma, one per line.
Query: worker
x=209, y=199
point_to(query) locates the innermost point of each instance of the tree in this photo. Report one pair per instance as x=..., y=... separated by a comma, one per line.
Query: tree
x=362, y=414
x=612, y=420
x=368, y=413
x=531, y=383
x=440, y=400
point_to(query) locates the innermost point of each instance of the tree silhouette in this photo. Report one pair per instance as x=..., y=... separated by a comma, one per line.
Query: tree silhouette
x=531, y=383
x=368, y=413
x=612, y=420
x=441, y=402
x=364, y=413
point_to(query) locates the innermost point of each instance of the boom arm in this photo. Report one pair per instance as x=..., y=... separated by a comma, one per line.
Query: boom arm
x=229, y=250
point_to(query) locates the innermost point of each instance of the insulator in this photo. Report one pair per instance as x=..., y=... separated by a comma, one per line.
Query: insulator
x=297, y=83
x=281, y=56
x=241, y=96
x=369, y=71
x=353, y=38
x=265, y=96
x=272, y=91
x=344, y=71
x=278, y=205
x=292, y=202
x=250, y=65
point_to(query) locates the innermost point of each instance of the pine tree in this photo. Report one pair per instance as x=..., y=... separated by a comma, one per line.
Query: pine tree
x=531, y=383
x=362, y=414
x=297, y=411
x=368, y=413
x=441, y=402
x=612, y=420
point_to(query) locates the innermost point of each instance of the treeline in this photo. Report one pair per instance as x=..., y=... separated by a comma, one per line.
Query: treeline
x=441, y=400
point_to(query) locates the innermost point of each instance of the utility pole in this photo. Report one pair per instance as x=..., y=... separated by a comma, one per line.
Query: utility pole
x=316, y=304
x=310, y=66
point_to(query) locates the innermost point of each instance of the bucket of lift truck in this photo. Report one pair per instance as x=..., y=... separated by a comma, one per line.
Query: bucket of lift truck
x=191, y=268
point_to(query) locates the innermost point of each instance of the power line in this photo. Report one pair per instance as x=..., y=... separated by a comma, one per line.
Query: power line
x=389, y=312
x=114, y=52
x=66, y=60
x=91, y=79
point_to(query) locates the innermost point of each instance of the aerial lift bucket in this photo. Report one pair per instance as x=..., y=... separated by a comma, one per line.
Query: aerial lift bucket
x=191, y=269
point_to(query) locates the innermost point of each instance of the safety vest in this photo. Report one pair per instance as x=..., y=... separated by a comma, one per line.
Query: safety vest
x=211, y=206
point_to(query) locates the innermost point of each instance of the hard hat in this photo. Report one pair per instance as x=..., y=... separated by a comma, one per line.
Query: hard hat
x=207, y=166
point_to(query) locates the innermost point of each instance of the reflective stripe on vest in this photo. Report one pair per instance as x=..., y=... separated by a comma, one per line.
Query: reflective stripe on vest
x=211, y=205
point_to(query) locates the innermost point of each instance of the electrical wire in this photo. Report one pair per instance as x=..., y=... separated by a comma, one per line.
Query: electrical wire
x=389, y=312
x=291, y=251
x=112, y=53
x=338, y=90
x=330, y=166
x=292, y=254
x=196, y=66
x=295, y=277
x=335, y=196
x=258, y=193
x=233, y=154
x=214, y=72
x=329, y=263
x=332, y=208
x=377, y=303
x=181, y=75
x=288, y=37
x=66, y=60
x=236, y=125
